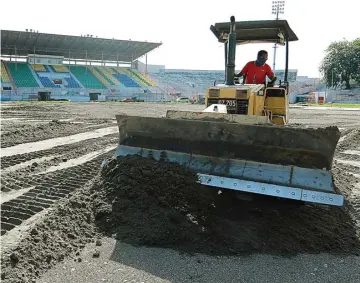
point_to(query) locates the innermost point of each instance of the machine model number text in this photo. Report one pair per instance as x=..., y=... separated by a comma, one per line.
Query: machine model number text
x=231, y=103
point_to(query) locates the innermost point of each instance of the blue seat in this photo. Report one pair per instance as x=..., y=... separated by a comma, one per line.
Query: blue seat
x=126, y=80
x=72, y=83
x=46, y=82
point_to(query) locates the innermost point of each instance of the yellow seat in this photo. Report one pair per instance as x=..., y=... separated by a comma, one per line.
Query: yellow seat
x=60, y=68
x=4, y=75
x=38, y=68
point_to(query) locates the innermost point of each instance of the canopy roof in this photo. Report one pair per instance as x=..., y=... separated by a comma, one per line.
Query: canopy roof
x=22, y=43
x=269, y=31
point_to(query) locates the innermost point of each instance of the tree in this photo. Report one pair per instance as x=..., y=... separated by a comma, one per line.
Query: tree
x=357, y=58
x=341, y=62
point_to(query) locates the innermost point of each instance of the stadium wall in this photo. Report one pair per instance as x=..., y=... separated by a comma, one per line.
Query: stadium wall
x=141, y=67
x=351, y=96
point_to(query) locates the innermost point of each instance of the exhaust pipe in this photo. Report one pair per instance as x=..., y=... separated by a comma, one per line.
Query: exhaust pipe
x=230, y=66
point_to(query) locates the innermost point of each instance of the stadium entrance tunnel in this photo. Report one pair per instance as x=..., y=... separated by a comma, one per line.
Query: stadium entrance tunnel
x=94, y=96
x=44, y=95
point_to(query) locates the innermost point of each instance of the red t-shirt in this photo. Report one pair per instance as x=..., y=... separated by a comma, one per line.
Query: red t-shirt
x=256, y=74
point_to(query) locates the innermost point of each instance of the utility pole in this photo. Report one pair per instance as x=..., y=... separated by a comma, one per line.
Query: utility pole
x=277, y=8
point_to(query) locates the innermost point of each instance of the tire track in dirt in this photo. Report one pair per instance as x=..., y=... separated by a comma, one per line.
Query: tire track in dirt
x=65, y=151
x=346, y=173
x=35, y=190
x=25, y=177
x=48, y=188
x=32, y=133
x=345, y=159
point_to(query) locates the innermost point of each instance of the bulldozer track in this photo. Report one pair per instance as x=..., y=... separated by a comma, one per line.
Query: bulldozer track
x=19, y=135
x=37, y=190
x=48, y=188
x=349, y=140
x=63, y=150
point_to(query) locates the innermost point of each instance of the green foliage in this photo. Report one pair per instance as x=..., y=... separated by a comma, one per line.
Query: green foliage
x=342, y=62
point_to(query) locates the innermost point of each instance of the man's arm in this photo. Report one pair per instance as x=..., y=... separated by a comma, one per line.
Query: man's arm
x=270, y=74
x=243, y=71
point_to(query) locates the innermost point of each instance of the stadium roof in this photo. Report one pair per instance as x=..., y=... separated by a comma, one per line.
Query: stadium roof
x=266, y=31
x=22, y=43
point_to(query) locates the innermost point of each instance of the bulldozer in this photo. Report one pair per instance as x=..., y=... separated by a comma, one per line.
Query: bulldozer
x=252, y=99
x=242, y=141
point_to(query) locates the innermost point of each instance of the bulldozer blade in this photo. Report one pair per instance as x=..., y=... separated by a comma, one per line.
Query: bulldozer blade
x=218, y=117
x=309, y=148
x=283, y=162
x=310, y=185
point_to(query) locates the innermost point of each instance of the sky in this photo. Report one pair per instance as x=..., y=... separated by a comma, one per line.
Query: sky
x=184, y=27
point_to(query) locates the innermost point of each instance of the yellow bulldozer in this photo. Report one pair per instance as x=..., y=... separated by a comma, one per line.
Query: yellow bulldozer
x=241, y=140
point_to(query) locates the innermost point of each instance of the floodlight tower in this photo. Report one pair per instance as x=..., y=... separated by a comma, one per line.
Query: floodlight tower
x=277, y=8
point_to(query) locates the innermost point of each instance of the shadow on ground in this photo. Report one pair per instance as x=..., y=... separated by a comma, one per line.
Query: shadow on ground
x=169, y=266
x=179, y=214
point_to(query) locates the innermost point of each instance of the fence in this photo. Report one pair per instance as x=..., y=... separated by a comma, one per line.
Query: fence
x=83, y=95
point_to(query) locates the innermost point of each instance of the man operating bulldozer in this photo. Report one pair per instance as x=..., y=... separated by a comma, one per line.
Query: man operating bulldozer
x=255, y=72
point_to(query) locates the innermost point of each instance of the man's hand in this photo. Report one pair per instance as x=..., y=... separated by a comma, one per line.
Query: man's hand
x=273, y=79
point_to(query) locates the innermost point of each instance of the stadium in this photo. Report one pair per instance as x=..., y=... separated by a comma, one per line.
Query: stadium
x=106, y=176
x=40, y=66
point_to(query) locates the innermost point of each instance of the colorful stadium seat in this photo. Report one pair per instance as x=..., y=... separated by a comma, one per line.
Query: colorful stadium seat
x=148, y=80
x=4, y=75
x=126, y=80
x=86, y=77
x=99, y=76
x=137, y=76
x=108, y=74
x=22, y=75
x=46, y=82
x=72, y=83
x=38, y=68
x=59, y=68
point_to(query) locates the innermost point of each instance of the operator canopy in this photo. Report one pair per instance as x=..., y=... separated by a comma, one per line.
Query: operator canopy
x=269, y=31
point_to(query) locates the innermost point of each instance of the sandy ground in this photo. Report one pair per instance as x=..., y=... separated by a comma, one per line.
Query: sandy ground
x=119, y=262
x=50, y=150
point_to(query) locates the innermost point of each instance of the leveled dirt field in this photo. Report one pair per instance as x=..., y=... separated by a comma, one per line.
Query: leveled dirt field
x=57, y=206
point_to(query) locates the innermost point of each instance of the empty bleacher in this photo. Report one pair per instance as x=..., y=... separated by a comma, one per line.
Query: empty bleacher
x=99, y=76
x=189, y=81
x=59, y=68
x=56, y=72
x=108, y=74
x=46, y=82
x=38, y=68
x=138, y=77
x=4, y=75
x=22, y=75
x=72, y=83
x=86, y=77
x=125, y=79
x=148, y=80
x=132, y=75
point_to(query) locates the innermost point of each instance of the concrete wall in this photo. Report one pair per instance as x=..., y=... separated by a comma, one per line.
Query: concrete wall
x=343, y=96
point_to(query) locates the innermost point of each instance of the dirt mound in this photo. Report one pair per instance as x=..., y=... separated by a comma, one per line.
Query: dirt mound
x=351, y=140
x=146, y=202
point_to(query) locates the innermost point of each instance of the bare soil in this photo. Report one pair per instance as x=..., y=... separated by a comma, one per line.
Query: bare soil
x=153, y=203
x=144, y=202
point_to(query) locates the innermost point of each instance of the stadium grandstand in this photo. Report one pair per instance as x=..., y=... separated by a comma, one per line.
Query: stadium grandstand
x=191, y=83
x=83, y=68
x=76, y=68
